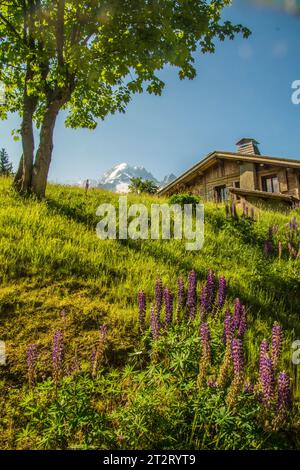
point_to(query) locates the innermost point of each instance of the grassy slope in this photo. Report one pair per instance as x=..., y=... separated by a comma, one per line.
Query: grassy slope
x=51, y=259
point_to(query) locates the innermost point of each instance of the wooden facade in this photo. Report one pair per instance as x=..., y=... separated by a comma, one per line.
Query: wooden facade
x=214, y=176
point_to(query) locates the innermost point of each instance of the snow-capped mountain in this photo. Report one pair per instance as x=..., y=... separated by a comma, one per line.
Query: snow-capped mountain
x=118, y=178
x=168, y=179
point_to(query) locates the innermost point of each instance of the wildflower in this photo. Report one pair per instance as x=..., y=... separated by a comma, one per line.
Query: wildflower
x=249, y=388
x=266, y=379
x=276, y=343
x=204, y=302
x=211, y=283
x=32, y=355
x=228, y=326
x=97, y=356
x=222, y=292
x=237, y=355
x=243, y=322
x=180, y=297
x=154, y=323
x=284, y=392
x=168, y=299
x=205, y=357
x=247, y=211
x=57, y=355
x=212, y=383
x=238, y=310
x=142, y=309
x=279, y=249
x=226, y=211
x=192, y=299
x=158, y=296
x=205, y=341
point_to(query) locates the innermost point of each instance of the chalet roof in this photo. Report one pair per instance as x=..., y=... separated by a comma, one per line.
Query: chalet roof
x=213, y=157
x=247, y=140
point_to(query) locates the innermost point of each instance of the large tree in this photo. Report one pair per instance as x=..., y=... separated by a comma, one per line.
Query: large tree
x=90, y=57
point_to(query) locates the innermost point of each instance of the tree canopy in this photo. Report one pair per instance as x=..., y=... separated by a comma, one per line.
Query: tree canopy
x=90, y=57
x=138, y=185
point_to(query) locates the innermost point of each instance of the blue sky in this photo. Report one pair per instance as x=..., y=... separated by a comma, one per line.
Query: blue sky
x=243, y=90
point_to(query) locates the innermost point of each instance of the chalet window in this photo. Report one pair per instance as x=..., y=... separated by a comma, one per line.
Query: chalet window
x=270, y=184
x=236, y=184
x=221, y=193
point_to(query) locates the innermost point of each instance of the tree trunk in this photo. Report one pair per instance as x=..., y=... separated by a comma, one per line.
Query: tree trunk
x=23, y=176
x=44, y=152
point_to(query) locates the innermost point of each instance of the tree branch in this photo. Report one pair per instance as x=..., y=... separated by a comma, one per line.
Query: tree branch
x=11, y=27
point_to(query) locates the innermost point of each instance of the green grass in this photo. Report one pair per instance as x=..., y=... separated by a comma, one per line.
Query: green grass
x=51, y=260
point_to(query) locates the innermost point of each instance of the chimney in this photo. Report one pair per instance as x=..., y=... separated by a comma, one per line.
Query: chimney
x=248, y=146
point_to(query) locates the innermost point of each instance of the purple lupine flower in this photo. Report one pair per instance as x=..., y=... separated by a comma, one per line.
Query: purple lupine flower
x=238, y=310
x=205, y=341
x=57, y=355
x=32, y=355
x=249, y=388
x=212, y=383
x=294, y=223
x=228, y=326
x=222, y=292
x=279, y=249
x=98, y=354
x=204, y=302
x=264, y=348
x=154, y=323
x=180, y=296
x=266, y=376
x=142, y=309
x=168, y=299
x=237, y=354
x=158, y=297
x=247, y=211
x=243, y=322
x=211, y=281
x=284, y=392
x=277, y=337
x=192, y=298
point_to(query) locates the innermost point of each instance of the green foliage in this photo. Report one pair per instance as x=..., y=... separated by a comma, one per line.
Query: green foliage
x=5, y=165
x=138, y=185
x=184, y=199
x=51, y=259
x=95, y=55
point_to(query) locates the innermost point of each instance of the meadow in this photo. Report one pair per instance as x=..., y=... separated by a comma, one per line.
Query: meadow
x=104, y=370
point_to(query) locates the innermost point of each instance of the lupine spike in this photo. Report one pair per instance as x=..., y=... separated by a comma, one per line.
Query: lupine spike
x=32, y=355
x=158, y=297
x=277, y=337
x=154, y=323
x=168, y=299
x=192, y=299
x=57, y=355
x=142, y=309
x=180, y=297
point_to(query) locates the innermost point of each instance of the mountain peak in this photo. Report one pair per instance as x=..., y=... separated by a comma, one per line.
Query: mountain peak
x=118, y=178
